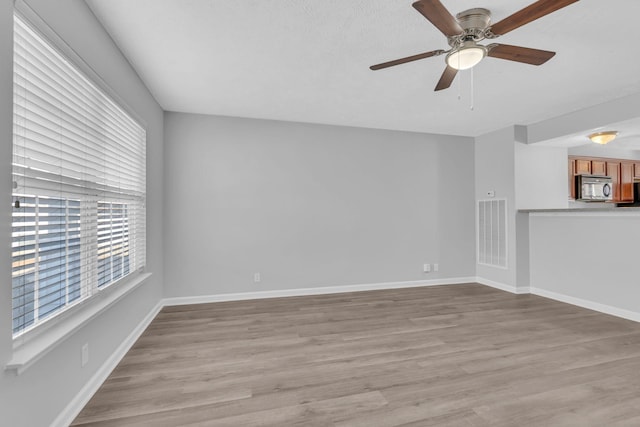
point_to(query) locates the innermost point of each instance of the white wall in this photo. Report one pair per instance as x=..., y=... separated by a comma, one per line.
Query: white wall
x=541, y=177
x=38, y=395
x=591, y=257
x=310, y=205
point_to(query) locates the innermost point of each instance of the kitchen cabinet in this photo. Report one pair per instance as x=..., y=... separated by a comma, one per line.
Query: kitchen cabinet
x=583, y=166
x=598, y=167
x=572, y=179
x=613, y=170
x=626, y=181
x=623, y=173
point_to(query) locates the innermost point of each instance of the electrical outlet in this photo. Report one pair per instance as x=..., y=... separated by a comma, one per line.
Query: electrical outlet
x=85, y=354
x=435, y=267
x=256, y=277
x=426, y=268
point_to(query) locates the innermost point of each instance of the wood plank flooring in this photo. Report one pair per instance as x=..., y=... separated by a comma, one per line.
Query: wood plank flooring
x=457, y=355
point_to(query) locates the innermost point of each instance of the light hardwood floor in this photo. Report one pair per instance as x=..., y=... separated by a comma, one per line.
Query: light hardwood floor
x=458, y=355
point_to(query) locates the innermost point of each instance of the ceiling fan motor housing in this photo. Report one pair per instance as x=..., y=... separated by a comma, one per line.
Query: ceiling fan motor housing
x=474, y=23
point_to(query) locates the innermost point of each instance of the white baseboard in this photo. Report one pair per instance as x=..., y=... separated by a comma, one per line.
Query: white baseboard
x=74, y=407
x=313, y=291
x=502, y=286
x=596, y=306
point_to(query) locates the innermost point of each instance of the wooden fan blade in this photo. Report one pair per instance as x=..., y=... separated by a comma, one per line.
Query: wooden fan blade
x=520, y=54
x=407, y=59
x=439, y=16
x=530, y=13
x=446, y=79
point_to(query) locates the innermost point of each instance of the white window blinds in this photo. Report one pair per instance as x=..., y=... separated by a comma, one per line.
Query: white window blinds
x=79, y=184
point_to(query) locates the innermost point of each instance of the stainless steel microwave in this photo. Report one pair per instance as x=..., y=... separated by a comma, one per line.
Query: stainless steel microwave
x=591, y=188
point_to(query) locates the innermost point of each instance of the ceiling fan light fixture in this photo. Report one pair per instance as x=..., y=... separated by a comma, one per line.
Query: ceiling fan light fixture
x=465, y=30
x=468, y=55
x=603, y=138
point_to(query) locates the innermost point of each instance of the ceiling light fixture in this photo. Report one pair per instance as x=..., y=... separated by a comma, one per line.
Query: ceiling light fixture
x=468, y=55
x=603, y=137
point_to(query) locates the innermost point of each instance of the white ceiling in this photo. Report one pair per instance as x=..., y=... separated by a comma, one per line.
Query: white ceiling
x=308, y=61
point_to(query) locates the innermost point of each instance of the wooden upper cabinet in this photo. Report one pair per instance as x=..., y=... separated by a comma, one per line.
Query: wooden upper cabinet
x=598, y=167
x=623, y=173
x=613, y=170
x=583, y=166
x=572, y=179
x=626, y=181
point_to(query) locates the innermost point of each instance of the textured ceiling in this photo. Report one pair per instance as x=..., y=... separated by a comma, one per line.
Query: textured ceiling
x=307, y=61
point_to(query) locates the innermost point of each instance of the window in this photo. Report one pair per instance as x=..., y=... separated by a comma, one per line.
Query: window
x=79, y=185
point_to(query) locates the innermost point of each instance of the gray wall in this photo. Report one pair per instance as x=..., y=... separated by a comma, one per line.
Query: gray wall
x=310, y=205
x=495, y=171
x=6, y=125
x=37, y=396
x=592, y=257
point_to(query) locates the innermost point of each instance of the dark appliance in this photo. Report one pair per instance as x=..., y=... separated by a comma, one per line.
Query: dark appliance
x=636, y=197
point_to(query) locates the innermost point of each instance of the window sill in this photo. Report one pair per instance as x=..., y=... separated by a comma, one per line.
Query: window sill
x=29, y=350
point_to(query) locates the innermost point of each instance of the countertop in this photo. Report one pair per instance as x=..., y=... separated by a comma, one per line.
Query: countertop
x=632, y=210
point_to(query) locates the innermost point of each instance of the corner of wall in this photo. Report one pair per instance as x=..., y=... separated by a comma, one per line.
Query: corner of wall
x=495, y=174
x=521, y=134
x=6, y=129
x=523, y=280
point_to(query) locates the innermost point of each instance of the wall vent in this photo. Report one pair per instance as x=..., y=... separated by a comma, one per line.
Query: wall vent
x=492, y=232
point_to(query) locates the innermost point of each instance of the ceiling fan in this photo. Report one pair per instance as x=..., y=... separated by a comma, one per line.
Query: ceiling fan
x=472, y=26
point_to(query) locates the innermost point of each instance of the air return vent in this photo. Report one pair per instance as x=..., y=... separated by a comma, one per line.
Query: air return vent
x=492, y=232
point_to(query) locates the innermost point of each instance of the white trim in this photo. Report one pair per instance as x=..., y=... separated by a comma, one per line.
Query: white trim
x=313, y=291
x=29, y=349
x=596, y=306
x=71, y=411
x=502, y=286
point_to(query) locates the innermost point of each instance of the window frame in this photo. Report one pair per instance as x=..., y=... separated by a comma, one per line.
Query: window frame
x=36, y=341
